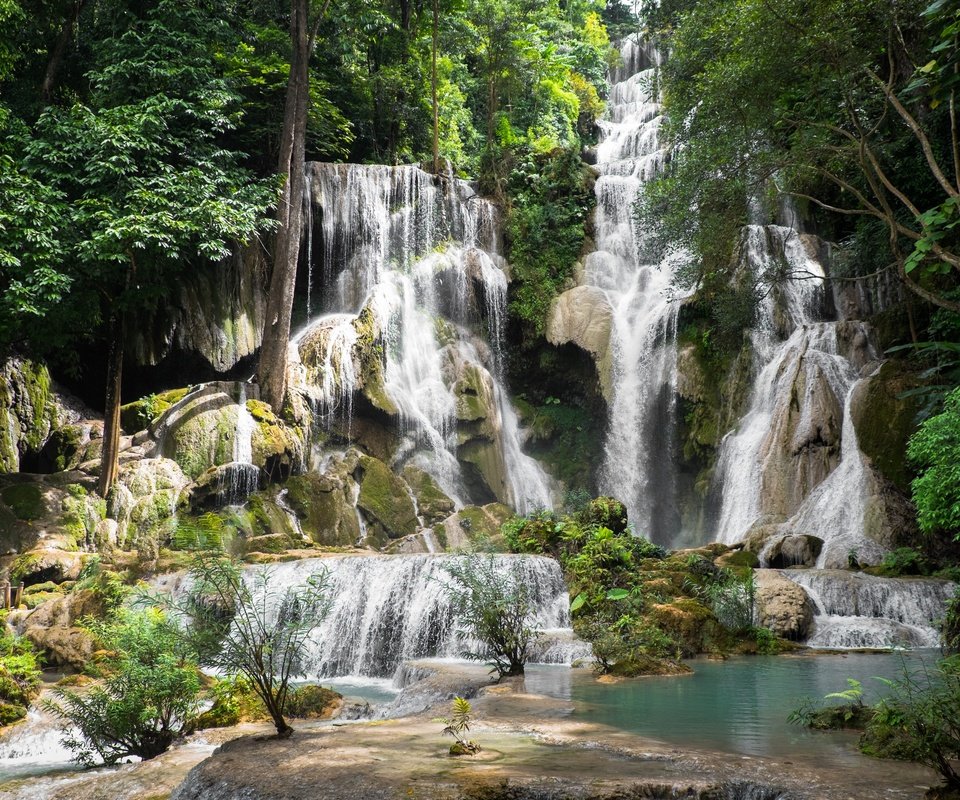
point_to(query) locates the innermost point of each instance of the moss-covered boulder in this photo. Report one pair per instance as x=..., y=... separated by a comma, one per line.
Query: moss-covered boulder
x=142, y=413
x=474, y=527
x=145, y=503
x=27, y=413
x=324, y=506
x=385, y=501
x=432, y=504
x=208, y=426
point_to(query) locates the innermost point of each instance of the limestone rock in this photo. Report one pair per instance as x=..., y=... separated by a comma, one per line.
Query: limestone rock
x=782, y=605
x=432, y=504
x=583, y=316
x=219, y=314
x=31, y=411
x=472, y=526
x=385, y=500
x=51, y=627
x=144, y=504
x=324, y=506
x=791, y=550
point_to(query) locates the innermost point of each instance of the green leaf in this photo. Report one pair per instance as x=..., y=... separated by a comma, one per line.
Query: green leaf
x=617, y=594
x=578, y=602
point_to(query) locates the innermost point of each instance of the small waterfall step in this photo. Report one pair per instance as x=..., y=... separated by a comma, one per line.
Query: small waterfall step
x=390, y=609
x=853, y=610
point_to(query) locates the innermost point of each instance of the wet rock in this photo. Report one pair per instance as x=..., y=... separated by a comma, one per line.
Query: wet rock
x=782, y=605
x=474, y=526
x=385, y=501
x=792, y=550
x=324, y=504
x=432, y=504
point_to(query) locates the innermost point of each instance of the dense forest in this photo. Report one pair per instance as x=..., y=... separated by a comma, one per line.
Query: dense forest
x=577, y=332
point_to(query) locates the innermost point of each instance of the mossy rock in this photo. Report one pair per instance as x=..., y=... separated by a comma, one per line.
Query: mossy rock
x=738, y=558
x=323, y=507
x=639, y=665
x=25, y=500
x=434, y=506
x=269, y=543
x=142, y=413
x=484, y=469
x=385, y=499
x=313, y=702
x=884, y=419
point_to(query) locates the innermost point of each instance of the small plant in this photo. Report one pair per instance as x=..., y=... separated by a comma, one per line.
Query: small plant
x=824, y=717
x=457, y=724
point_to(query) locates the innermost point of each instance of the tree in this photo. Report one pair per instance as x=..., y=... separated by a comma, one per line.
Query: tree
x=148, y=185
x=149, y=691
x=845, y=106
x=248, y=625
x=495, y=606
x=272, y=366
x=935, y=451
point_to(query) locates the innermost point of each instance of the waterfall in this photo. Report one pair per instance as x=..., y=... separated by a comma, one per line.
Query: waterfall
x=855, y=610
x=389, y=609
x=639, y=450
x=794, y=458
x=411, y=273
x=239, y=478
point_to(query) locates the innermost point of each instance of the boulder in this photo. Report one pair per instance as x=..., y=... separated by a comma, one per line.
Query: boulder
x=474, y=527
x=433, y=505
x=582, y=316
x=782, y=605
x=324, y=504
x=385, y=501
x=52, y=627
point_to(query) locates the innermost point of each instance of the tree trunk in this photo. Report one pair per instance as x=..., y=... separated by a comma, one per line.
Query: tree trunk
x=111, y=413
x=272, y=367
x=58, y=51
x=433, y=77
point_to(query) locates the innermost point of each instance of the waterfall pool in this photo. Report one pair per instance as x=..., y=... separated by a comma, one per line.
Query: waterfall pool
x=735, y=706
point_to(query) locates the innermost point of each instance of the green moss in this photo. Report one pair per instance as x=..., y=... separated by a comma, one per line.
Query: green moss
x=25, y=500
x=312, y=702
x=23, y=566
x=142, y=413
x=385, y=500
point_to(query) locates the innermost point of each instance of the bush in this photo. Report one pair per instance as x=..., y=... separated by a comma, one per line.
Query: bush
x=149, y=691
x=234, y=701
x=935, y=450
x=950, y=626
x=19, y=676
x=495, y=607
x=251, y=626
x=920, y=721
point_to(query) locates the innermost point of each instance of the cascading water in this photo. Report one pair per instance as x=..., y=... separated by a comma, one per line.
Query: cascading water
x=794, y=458
x=390, y=609
x=854, y=610
x=639, y=450
x=410, y=267
x=241, y=477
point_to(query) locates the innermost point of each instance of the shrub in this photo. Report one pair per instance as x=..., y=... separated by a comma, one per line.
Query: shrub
x=251, y=626
x=150, y=689
x=950, y=626
x=496, y=608
x=19, y=676
x=457, y=724
x=935, y=450
x=921, y=720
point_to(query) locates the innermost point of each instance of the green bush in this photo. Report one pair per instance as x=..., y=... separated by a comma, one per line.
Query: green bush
x=149, y=690
x=19, y=676
x=935, y=450
x=950, y=625
x=234, y=701
x=920, y=721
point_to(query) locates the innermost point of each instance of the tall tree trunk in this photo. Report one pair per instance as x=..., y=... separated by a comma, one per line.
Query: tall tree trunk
x=111, y=415
x=58, y=51
x=272, y=367
x=433, y=80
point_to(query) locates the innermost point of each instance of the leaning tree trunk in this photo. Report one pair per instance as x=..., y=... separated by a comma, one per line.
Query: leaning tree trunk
x=272, y=367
